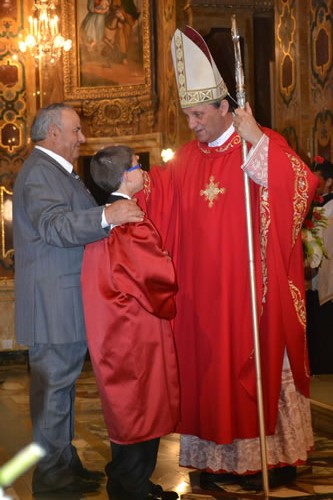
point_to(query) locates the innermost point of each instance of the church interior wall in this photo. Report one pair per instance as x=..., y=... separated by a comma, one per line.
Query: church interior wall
x=287, y=57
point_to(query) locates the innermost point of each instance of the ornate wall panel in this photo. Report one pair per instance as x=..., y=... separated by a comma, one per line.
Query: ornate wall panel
x=286, y=27
x=321, y=58
x=14, y=118
x=321, y=42
x=13, y=96
x=292, y=80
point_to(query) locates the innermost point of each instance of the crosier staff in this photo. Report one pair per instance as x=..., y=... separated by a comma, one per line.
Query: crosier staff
x=240, y=95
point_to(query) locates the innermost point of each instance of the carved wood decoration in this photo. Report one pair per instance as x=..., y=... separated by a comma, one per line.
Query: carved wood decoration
x=118, y=116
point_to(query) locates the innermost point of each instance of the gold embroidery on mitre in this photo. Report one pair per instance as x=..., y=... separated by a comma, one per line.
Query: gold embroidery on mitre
x=212, y=191
x=191, y=97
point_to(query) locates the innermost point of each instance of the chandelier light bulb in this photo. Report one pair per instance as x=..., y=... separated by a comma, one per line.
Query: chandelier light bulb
x=58, y=41
x=22, y=46
x=30, y=41
x=67, y=45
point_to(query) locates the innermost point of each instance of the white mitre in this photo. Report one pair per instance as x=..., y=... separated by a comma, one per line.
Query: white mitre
x=198, y=79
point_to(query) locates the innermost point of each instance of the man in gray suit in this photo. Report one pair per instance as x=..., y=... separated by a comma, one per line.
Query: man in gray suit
x=54, y=216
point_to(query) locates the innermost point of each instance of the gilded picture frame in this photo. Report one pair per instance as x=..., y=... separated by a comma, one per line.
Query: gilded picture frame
x=111, y=53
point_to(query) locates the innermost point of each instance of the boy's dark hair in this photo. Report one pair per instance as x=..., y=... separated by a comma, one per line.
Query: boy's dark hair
x=108, y=165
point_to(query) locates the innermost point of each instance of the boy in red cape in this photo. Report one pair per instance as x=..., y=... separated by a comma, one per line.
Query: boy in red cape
x=128, y=286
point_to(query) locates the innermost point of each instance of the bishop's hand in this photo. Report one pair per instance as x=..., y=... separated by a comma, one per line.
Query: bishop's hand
x=246, y=125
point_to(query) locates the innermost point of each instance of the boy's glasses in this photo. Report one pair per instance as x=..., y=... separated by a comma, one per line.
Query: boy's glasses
x=134, y=167
x=130, y=170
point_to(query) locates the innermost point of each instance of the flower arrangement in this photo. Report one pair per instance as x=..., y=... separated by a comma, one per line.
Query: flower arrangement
x=313, y=245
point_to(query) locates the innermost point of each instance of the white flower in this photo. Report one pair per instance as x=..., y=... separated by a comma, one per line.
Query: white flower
x=312, y=238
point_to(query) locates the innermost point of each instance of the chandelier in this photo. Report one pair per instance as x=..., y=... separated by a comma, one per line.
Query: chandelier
x=44, y=41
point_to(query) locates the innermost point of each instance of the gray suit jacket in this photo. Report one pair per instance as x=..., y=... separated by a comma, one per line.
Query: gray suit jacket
x=54, y=216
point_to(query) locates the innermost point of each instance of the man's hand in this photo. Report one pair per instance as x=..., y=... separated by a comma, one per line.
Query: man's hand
x=246, y=126
x=123, y=211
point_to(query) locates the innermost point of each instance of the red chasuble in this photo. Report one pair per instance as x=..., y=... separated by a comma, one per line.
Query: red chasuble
x=128, y=286
x=197, y=202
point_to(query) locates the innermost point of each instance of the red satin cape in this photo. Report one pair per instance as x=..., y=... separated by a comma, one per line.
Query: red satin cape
x=128, y=287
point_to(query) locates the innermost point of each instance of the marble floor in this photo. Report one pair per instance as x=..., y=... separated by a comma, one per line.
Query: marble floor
x=314, y=480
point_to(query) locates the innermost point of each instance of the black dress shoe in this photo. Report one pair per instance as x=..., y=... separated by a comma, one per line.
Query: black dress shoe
x=77, y=485
x=113, y=488
x=78, y=469
x=116, y=492
x=155, y=488
x=163, y=495
x=208, y=480
x=157, y=492
x=90, y=475
x=277, y=477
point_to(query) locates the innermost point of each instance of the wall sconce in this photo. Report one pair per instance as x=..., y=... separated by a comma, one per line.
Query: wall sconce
x=167, y=154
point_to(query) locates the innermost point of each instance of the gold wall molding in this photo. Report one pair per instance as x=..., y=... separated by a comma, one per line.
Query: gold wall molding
x=286, y=30
x=246, y=4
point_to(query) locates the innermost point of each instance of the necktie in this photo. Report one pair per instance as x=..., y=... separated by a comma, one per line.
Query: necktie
x=75, y=175
x=78, y=178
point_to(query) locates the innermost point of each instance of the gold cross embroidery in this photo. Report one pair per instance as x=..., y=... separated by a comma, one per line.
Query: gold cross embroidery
x=212, y=191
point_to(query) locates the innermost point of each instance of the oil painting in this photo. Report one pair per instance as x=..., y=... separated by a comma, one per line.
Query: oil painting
x=111, y=49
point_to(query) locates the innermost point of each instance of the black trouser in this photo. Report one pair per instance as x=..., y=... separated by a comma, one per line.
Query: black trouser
x=319, y=333
x=131, y=468
x=325, y=339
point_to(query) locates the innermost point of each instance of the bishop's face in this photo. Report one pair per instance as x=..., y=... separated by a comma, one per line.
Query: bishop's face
x=207, y=121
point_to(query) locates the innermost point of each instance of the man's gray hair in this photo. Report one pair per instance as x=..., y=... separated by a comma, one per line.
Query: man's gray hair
x=51, y=115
